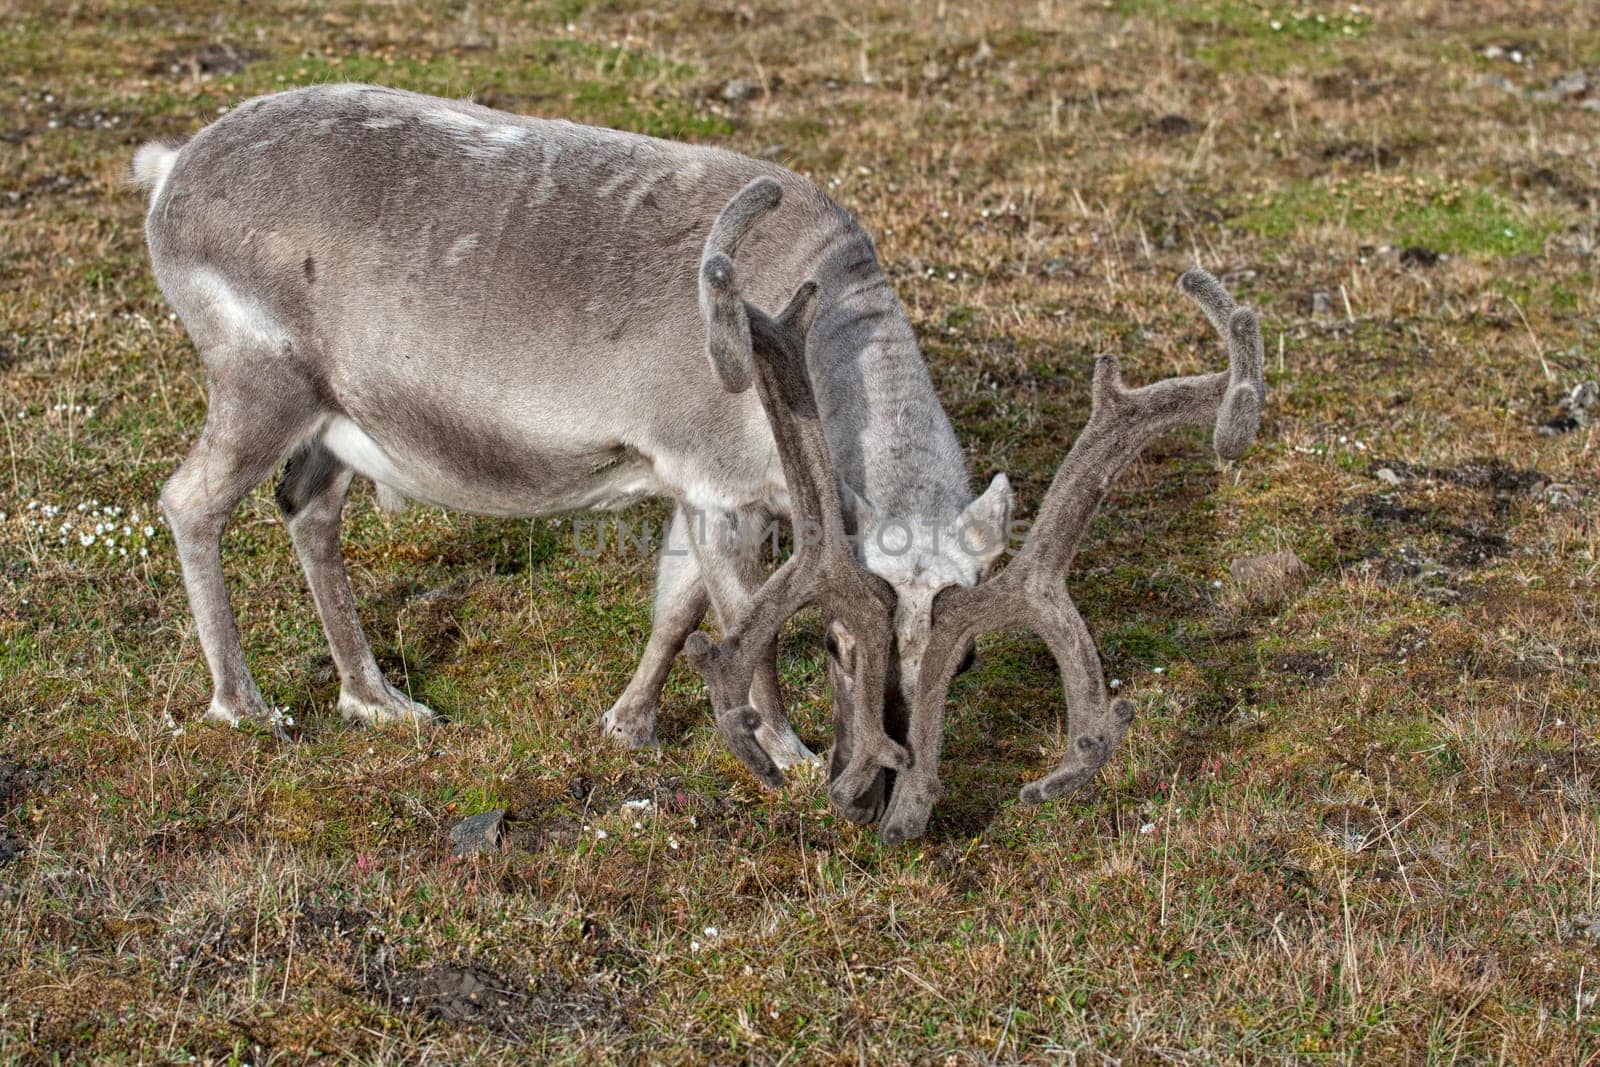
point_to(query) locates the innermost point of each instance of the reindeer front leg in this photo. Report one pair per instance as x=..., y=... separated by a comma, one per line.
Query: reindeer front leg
x=680, y=605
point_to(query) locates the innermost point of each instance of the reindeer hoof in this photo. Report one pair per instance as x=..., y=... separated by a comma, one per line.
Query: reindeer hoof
x=385, y=708
x=632, y=725
x=902, y=826
x=220, y=712
x=260, y=717
x=783, y=746
x=1057, y=783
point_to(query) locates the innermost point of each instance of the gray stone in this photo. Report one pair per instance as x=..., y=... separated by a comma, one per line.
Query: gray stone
x=1562, y=494
x=1569, y=87
x=1583, y=397
x=739, y=89
x=478, y=833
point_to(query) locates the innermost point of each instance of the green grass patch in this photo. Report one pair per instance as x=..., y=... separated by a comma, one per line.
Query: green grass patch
x=1445, y=216
x=1258, y=37
x=575, y=80
x=1295, y=22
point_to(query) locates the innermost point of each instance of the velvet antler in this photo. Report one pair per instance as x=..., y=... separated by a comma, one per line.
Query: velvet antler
x=745, y=343
x=1030, y=592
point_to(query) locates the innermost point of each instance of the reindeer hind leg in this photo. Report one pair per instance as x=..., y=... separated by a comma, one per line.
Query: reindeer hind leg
x=249, y=428
x=312, y=496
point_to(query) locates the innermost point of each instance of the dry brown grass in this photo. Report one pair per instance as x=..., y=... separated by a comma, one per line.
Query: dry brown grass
x=1360, y=827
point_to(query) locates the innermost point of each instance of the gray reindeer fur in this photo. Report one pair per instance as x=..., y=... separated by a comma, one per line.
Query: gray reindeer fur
x=742, y=342
x=1030, y=592
x=499, y=314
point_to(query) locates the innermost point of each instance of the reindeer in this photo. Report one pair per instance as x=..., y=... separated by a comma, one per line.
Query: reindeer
x=498, y=314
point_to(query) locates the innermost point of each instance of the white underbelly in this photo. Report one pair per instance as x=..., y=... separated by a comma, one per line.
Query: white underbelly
x=362, y=454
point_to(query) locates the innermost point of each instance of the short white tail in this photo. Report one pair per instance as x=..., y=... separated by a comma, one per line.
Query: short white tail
x=151, y=165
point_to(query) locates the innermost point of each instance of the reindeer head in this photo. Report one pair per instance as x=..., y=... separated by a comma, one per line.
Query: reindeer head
x=920, y=558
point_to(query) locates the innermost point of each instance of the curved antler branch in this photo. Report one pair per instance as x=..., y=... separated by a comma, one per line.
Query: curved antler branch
x=1029, y=592
x=744, y=343
x=727, y=322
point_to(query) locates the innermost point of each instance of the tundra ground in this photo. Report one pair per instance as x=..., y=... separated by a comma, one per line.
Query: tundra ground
x=1356, y=822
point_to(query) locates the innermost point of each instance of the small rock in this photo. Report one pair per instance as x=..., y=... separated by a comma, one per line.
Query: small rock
x=1570, y=87
x=739, y=89
x=1268, y=582
x=1578, y=410
x=478, y=833
x=1583, y=397
x=1321, y=303
x=1417, y=256
x=1562, y=494
x=10, y=850
x=1387, y=476
x=1586, y=927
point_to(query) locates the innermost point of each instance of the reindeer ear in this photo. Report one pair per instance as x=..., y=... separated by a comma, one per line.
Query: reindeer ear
x=982, y=529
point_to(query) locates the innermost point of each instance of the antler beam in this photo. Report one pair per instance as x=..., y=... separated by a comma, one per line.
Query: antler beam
x=1030, y=594
x=744, y=343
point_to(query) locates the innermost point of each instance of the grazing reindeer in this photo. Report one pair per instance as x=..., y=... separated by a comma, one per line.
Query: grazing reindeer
x=498, y=314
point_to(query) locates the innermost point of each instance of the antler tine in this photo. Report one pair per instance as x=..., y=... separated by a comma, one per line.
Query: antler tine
x=1240, y=412
x=744, y=342
x=1199, y=285
x=1029, y=592
x=1239, y=417
x=727, y=325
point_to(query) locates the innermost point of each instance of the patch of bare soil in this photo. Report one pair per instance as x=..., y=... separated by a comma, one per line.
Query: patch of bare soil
x=512, y=1005
x=1500, y=480
x=214, y=60
x=231, y=944
x=17, y=782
